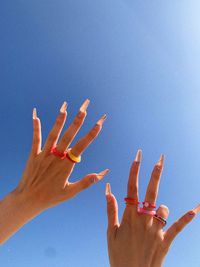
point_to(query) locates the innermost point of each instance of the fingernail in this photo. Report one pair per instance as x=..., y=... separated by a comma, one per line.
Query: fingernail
x=108, y=189
x=138, y=155
x=197, y=208
x=161, y=160
x=85, y=105
x=34, y=114
x=104, y=172
x=101, y=120
x=63, y=107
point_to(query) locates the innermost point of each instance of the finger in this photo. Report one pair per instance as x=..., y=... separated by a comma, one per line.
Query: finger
x=37, y=136
x=87, y=181
x=132, y=190
x=56, y=130
x=112, y=210
x=85, y=141
x=178, y=226
x=73, y=129
x=162, y=211
x=153, y=186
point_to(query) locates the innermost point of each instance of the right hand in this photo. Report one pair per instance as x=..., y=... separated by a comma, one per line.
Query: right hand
x=139, y=240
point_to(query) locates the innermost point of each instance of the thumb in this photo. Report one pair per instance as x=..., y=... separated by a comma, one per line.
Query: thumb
x=87, y=181
x=112, y=209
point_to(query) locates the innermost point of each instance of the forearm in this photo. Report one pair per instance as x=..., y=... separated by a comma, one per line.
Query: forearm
x=15, y=211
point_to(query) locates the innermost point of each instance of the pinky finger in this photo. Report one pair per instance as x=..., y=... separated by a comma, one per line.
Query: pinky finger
x=112, y=211
x=37, y=136
x=178, y=226
x=87, y=181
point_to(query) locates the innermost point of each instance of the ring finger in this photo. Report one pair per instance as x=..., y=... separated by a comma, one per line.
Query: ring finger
x=153, y=186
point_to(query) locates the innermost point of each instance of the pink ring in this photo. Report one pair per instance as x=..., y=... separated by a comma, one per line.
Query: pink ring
x=148, y=205
x=149, y=212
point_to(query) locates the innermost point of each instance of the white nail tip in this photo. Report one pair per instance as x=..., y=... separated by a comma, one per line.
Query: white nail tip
x=103, y=173
x=108, y=189
x=63, y=107
x=34, y=113
x=85, y=105
x=138, y=155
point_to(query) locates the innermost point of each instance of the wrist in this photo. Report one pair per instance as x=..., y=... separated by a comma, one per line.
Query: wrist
x=15, y=211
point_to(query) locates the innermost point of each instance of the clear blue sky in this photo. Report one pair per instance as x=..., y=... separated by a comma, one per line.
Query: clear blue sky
x=138, y=62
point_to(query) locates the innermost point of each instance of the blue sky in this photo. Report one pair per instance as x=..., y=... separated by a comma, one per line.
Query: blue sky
x=138, y=62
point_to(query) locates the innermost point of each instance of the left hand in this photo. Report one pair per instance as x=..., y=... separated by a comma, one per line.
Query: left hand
x=45, y=181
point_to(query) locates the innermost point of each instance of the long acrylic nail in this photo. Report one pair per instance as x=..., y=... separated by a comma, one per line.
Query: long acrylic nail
x=108, y=189
x=104, y=172
x=34, y=114
x=85, y=105
x=63, y=107
x=138, y=156
x=161, y=160
x=101, y=120
x=197, y=208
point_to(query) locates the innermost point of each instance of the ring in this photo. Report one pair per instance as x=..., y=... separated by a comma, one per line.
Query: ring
x=57, y=153
x=132, y=201
x=71, y=157
x=149, y=212
x=148, y=205
x=161, y=219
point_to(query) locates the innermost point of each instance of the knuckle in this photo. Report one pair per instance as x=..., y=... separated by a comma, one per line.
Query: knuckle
x=151, y=195
x=76, y=122
x=86, y=183
x=177, y=227
x=93, y=133
x=132, y=188
x=52, y=136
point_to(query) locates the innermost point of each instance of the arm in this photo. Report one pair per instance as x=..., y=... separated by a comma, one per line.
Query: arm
x=45, y=181
x=15, y=211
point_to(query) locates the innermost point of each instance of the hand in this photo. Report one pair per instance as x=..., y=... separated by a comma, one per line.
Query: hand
x=45, y=181
x=139, y=241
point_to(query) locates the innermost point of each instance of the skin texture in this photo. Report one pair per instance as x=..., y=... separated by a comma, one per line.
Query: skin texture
x=139, y=240
x=45, y=180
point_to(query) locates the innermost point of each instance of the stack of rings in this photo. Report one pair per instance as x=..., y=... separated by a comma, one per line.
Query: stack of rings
x=66, y=154
x=142, y=210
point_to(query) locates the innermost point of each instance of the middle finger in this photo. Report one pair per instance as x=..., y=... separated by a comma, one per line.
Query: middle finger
x=73, y=129
x=153, y=186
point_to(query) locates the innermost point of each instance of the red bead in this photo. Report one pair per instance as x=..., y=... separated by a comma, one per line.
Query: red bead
x=131, y=200
x=57, y=153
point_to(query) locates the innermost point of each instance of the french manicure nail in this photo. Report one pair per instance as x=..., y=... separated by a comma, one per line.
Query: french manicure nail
x=63, y=107
x=197, y=208
x=161, y=160
x=85, y=105
x=108, y=189
x=104, y=172
x=34, y=113
x=101, y=120
x=138, y=156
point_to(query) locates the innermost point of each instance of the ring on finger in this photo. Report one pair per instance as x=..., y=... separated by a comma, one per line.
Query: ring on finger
x=132, y=201
x=72, y=157
x=148, y=205
x=149, y=212
x=57, y=153
x=161, y=219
